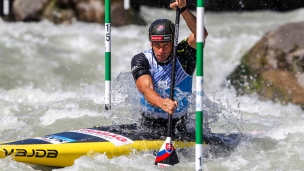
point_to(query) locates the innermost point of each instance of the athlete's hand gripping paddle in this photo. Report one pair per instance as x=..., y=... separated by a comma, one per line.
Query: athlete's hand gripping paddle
x=167, y=156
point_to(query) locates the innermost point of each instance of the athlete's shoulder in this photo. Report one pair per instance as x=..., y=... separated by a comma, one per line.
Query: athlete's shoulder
x=186, y=56
x=139, y=55
x=139, y=65
x=139, y=59
x=184, y=49
x=185, y=45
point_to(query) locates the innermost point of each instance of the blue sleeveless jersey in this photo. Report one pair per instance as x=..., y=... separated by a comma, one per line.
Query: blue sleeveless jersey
x=161, y=77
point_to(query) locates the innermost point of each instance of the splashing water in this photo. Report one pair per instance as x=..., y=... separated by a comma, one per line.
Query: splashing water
x=52, y=81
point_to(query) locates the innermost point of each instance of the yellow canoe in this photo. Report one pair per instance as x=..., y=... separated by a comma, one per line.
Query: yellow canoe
x=61, y=149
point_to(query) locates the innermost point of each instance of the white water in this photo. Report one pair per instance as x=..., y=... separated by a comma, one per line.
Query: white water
x=52, y=80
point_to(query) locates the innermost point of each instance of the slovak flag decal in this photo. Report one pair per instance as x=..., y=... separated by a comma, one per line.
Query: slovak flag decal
x=169, y=147
x=165, y=150
x=166, y=156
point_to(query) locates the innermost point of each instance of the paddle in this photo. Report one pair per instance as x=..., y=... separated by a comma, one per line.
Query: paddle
x=167, y=156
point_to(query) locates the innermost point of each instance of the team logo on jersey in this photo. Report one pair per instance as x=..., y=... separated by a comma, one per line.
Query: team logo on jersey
x=162, y=84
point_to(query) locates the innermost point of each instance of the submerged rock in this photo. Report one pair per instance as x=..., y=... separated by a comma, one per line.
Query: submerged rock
x=274, y=67
x=69, y=11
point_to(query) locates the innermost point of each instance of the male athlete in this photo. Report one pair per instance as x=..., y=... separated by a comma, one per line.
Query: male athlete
x=151, y=70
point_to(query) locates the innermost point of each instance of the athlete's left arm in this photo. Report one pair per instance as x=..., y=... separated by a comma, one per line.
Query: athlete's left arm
x=190, y=20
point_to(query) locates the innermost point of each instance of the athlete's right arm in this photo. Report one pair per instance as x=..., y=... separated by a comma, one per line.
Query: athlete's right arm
x=144, y=83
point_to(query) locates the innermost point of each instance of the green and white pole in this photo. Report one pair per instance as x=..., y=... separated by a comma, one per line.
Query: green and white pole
x=107, y=54
x=6, y=7
x=199, y=84
x=126, y=4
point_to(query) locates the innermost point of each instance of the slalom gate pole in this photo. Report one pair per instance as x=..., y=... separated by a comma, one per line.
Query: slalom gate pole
x=108, y=54
x=199, y=85
x=6, y=7
x=126, y=4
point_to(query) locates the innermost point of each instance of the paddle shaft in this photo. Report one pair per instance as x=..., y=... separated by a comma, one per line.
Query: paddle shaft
x=177, y=17
x=167, y=155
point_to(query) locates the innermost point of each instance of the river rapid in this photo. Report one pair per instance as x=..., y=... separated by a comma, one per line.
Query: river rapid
x=52, y=80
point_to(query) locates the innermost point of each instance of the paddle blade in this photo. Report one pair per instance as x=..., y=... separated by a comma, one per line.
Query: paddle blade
x=167, y=155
